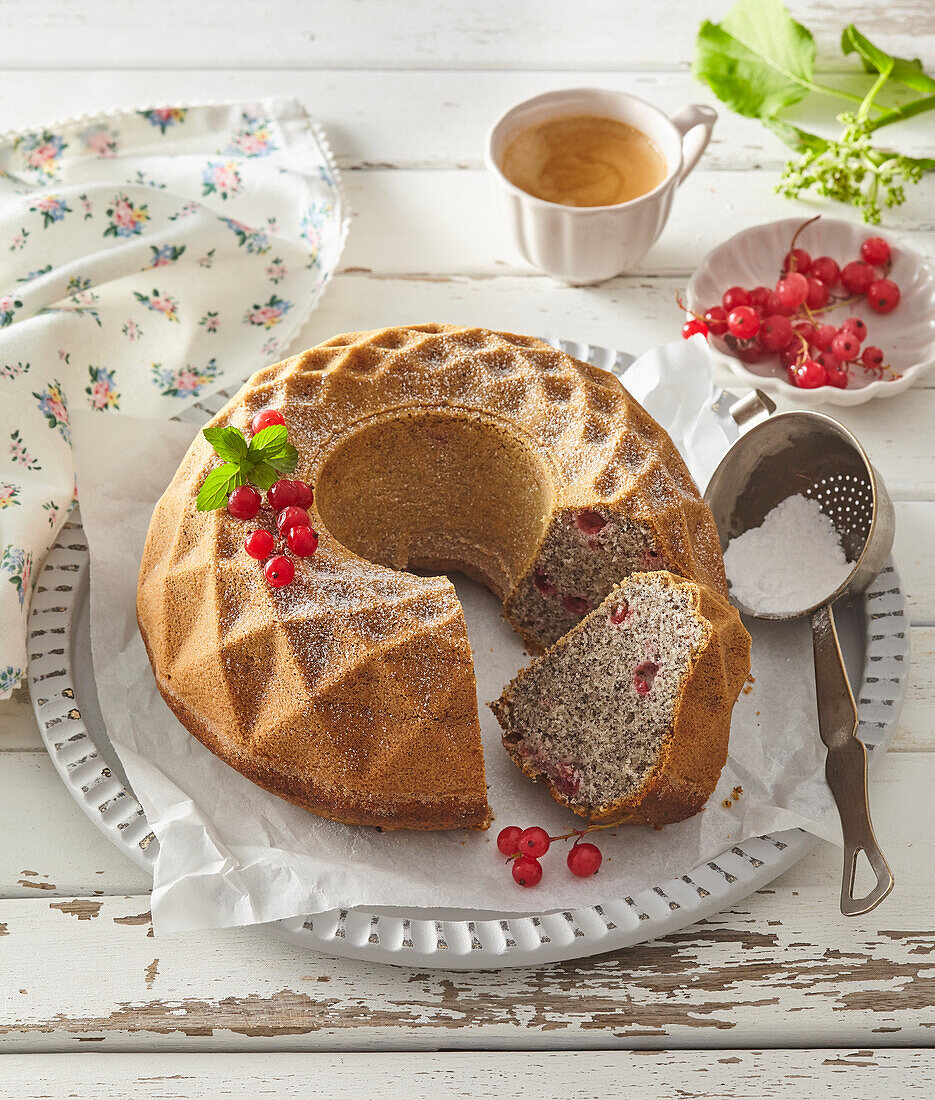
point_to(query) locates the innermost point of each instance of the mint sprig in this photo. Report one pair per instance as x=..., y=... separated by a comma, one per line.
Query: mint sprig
x=760, y=61
x=261, y=462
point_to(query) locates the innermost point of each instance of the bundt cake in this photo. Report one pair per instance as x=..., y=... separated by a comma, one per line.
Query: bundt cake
x=351, y=690
x=627, y=717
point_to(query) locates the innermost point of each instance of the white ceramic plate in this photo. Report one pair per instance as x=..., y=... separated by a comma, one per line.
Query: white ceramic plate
x=874, y=637
x=754, y=257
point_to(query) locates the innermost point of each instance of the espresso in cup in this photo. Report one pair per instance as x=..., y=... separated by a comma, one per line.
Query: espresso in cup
x=583, y=160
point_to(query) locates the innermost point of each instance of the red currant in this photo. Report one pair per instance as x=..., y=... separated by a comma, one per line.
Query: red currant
x=302, y=540
x=735, y=296
x=584, y=859
x=797, y=260
x=857, y=277
x=856, y=327
x=526, y=871
x=244, y=502
x=743, y=322
x=806, y=330
x=279, y=572
x=620, y=612
x=792, y=290
x=837, y=376
x=716, y=320
x=818, y=294
x=750, y=351
x=776, y=332
x=508, y=840
x=788, y=356
x=809, y=375
x=291, y=517
x=282, y=494
x=845, y=347
x=543, y=585
x=824, y=334
x=759, y=297
x=872, y=357
x=266, y=419
x=259, y=544
x=875, y=251
x=306, y=494
x=776, y=305
x=577, y=605
x=534, y=842
x=883, y=296
x=825, y=269
x=694, y=327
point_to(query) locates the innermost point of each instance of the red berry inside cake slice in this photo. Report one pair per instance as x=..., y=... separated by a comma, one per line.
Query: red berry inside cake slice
x=627, y=717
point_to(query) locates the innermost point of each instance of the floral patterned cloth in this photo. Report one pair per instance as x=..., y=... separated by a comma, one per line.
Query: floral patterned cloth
x=146, y=258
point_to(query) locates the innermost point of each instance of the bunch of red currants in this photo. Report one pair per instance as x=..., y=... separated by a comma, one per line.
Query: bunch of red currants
x=788, y=321
x=525, y=847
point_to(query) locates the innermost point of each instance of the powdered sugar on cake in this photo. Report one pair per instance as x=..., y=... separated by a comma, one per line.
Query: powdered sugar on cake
x=792, y=561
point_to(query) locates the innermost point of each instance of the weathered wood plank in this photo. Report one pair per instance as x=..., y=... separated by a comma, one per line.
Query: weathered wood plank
x=386, y=119
x=420, y=34
x=782, y=968
x=488, y=1075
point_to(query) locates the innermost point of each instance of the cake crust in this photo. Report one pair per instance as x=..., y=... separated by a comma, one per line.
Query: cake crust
x=351, y=692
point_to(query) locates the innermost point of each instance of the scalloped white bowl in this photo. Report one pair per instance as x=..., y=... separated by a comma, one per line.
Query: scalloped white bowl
x=754, y=257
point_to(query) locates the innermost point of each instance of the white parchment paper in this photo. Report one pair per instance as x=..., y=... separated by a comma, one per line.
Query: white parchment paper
x=232, y=854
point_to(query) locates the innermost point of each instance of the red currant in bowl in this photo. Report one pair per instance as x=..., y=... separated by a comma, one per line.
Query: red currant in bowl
x=875, y=251
x=694, y=327
x=743, y=322
x=883, y=296
x=826, y=270
x=857, y=276
x=735, y=296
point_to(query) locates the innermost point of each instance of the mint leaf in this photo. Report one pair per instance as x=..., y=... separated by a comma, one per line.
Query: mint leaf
x=217, y=486
x=228, y=443
x=270, y=446
x=874, y=59
x=263, y=475
x=757, y=60
x=269, y=441
x=286, y=461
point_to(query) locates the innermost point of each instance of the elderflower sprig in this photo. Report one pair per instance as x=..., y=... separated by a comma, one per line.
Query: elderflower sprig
x=759, y=60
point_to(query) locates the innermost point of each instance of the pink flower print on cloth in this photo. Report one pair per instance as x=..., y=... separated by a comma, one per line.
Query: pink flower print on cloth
x=53, y=408
x=41, y=153
x=185, y=381
x=102, y=391
x=8, y=306
x=126, y=220
x=268, y=314
x=159, y=303
x=221, y=178
x=165, y=117
x=100, y=140
x=253, y=139
x=52, y=208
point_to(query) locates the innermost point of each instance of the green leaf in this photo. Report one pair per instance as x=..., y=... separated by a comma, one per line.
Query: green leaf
x=901, y=69
x=263, y=475
x=228, y=443
x=286, y=461
x=802, y=141
x=217, y=486
x=757, y=60
x=269, y=441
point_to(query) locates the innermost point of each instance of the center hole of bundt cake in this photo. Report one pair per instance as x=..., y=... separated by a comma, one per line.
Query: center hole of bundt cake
x=447, y=491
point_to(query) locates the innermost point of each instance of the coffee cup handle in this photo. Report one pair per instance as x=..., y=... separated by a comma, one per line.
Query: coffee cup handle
x=694, y=122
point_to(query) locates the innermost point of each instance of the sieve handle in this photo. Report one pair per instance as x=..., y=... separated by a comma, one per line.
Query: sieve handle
x=846, y=765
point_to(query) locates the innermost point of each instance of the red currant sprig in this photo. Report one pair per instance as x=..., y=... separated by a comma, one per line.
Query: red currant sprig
x=524, y=848
x=786, y=321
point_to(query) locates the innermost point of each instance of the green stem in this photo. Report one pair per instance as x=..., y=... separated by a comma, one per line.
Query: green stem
x=825, y=90
x=874, y=90
x=908, y=110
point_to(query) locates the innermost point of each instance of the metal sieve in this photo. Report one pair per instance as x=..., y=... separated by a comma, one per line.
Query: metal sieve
x=813, y=455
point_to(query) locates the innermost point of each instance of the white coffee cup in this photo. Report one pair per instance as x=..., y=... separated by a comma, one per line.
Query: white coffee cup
x=587, y=244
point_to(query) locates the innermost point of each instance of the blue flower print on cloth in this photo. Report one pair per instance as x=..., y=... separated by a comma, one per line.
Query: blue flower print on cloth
x=147, y=258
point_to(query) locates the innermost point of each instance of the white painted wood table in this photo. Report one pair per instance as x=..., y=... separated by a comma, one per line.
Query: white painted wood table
x=780, y=995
